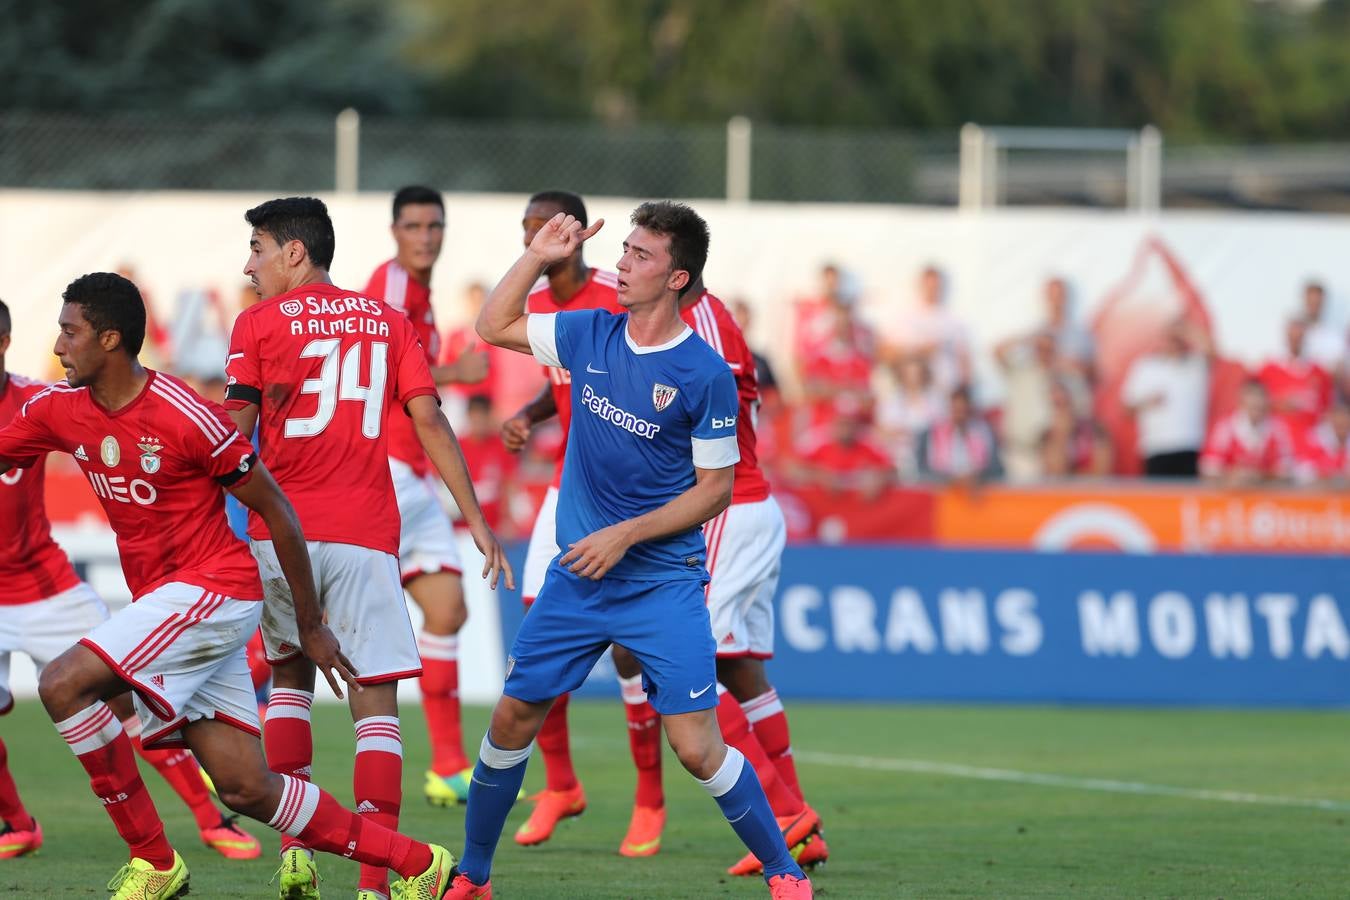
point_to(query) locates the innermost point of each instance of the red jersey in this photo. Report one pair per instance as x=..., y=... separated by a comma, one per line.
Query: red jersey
x=392, y=284
x=1235, y=443
x=32, y=566
x=839, y=459
x=157, y=466
x=601, y=291
x=713, y=322
x=1300, y=391
x=1321, y=454
x=326, y=366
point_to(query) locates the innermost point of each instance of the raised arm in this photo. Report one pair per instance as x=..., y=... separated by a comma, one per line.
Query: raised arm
x=502, y=320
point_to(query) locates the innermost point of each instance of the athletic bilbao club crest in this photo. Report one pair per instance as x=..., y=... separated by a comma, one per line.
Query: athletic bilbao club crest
x=110, y=452
x=662, y=395
x=149, y=461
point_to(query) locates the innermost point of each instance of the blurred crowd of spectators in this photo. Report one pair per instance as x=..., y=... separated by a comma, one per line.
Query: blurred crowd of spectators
x=863, y=411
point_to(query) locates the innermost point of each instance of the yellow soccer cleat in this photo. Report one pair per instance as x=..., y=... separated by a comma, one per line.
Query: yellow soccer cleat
x=298, y=877
x=138, y=880
x=448, y=790
x=431, y=884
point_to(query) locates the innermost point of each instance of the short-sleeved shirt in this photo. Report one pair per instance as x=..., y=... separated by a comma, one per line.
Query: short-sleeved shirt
x=642, y=419
x=157, y=466
x=32, y=566
x=1235, y=442
x=394, y=285
x=325, y=365
x=601, y=291
x=713, y=322
x=1178, y=422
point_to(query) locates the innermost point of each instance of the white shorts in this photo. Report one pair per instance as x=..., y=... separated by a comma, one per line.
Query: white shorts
x=745, y=552
x=46, y=629
x=543, y=547
x=362, y=601
x=182, y=648
x=426, y=539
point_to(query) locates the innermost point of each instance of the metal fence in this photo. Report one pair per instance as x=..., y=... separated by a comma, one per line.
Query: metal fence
x=308, y=153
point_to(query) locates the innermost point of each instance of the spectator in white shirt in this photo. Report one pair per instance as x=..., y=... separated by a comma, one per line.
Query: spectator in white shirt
x=1323, y=344
x=931, y=332
x=1168, y=394
x=1072, y=341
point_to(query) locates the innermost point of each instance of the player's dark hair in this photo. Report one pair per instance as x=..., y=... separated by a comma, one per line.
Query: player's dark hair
x=110, y=303
x=480, y=402
x=686, y=229
x=415, y=194
x=567, y=201
x=5, y=322
x=303, y=219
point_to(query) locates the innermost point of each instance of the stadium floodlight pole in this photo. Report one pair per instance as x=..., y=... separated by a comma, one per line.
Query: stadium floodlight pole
x=346, y=158
x=738, y=159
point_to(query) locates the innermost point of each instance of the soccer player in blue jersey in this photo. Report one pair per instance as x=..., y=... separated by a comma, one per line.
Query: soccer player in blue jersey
x=649, y=460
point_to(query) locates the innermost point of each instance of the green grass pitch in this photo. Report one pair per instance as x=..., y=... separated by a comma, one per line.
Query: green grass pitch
x=911, y=805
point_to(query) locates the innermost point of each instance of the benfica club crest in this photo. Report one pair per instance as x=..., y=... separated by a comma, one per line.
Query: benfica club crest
x=150, y=462
x=662, y=394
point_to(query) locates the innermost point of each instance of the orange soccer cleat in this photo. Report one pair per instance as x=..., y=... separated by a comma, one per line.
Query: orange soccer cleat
x=14, y=842
x=812, y=852
x=461, y=888
x=231, y=841
x=644, y=831
x=789, y=887
x=552, y=808
x=796, y=830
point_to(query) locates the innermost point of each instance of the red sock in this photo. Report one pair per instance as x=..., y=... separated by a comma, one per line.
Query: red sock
x=11, y=807
x=644, y=739
x=103, y=748
x=377, y=784
x=440, y=701
x=556, y=746
x=736, y=732
x=288, y=740
x=314, y=819
x=769, y=722
x=179, y=768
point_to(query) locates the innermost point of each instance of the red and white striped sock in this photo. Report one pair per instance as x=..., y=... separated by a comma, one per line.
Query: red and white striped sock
x=103, y=748
x=12, y=810
x=769, y=721
x=377, y=784
x=644, y=740
x=310, y=816
x=440, y=701
x=736, y=732
x=288, y=739
x=179, y=768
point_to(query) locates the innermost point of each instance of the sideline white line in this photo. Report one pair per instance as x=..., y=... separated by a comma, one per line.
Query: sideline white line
x=1012, y=776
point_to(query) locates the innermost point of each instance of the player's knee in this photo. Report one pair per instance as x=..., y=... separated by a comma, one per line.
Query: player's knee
x=59, y=688
x=248, y=795
x=699, y=758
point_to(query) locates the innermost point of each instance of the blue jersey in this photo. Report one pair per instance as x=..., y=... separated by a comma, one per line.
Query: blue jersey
x=642, y=419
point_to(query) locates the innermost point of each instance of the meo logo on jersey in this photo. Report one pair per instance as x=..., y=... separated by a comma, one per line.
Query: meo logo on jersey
x=662, y=395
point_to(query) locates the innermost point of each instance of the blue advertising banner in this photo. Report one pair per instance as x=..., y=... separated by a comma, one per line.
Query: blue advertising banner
x=885, y=623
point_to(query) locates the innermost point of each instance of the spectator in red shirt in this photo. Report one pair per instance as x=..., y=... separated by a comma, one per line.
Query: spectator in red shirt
x=1299, y=389
x=839, y=366
x=1324, y=452
x=960, y=448
x=841, y=457
x=491, y=466
x=1250, y=446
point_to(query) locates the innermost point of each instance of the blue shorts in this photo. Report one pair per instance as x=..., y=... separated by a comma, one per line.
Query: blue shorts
x=573, y=620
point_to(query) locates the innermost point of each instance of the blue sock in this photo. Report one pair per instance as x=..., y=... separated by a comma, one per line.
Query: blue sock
x=496, y=782
x=738, y=792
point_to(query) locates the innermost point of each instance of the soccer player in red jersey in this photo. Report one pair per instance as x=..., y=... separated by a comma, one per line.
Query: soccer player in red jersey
x=44, y=609
x=569, y=285
x=745, y=549
x=428, y=556
x=156, y=456
x=316, y=369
